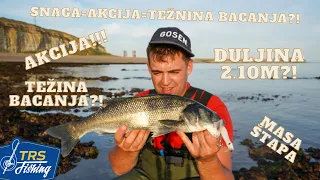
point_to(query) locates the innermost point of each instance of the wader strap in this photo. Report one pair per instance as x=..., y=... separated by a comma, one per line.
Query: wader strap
x=198, y=95
x=203, y=97
x=153, y=91
x=190, y=92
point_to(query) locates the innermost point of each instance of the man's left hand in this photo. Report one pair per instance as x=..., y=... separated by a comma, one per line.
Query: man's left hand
x=203, y=147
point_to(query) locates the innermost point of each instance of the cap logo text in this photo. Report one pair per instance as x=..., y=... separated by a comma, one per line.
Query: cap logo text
x=175, y=35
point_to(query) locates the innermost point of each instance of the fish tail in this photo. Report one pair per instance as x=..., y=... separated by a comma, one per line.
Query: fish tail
x=68, y=136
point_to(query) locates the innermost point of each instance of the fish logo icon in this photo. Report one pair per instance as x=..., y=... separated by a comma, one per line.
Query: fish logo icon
x=9, y=163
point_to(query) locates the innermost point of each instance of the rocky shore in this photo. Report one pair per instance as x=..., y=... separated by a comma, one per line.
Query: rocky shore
x=31, y=127
x=273, y=166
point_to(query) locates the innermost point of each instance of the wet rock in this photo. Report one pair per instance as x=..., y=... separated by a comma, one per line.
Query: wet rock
x=318, y=77
x=61, y=78
x=88, y=144
x=256, y=173
x=243, y=98
x=145, y=78
x=253, y=173
x=102, y=78
x=314, y=152
x=86, y=150
x=107, y=94
x=14, y=130
x=92, y=152
x=310, y=176
x=120, y=94
x=262, y=97
x=133, y=90
x=1, y=134
x=263, y=152
x=106, y=78
x=95, y=108
x=93, y=90
x=316, y=167
x=247, y=142
x=32, y=127
x=274, y=166
x=26, y=132
x=65, y=165
x=267, y=99
x=75, y=159
x=129, y=70
x=307, y=168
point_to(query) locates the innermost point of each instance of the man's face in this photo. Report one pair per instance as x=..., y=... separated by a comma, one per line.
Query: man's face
x=170, y=76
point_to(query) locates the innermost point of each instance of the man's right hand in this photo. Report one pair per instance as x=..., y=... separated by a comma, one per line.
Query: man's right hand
x=132, y=141
x=124, y=156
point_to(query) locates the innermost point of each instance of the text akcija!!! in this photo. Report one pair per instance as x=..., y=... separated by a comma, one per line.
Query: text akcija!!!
x=279, y=132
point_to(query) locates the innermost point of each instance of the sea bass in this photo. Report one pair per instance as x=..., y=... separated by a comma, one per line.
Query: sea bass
x=161, y=114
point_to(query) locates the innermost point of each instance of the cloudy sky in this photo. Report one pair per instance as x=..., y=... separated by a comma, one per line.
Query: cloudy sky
x=133, y=34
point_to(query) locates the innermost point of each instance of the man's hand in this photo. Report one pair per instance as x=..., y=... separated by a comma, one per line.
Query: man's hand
x=203, y=146
x=212, y=163
x=132, y=141
x=124, y=155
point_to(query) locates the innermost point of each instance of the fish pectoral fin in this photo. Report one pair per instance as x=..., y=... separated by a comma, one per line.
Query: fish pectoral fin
x=161, y=131
x=169, y=122
x=167, y=127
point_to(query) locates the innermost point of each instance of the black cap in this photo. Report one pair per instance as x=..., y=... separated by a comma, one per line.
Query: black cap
x=173, y=36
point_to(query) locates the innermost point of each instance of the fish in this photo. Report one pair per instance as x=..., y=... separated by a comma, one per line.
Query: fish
x=160, y=114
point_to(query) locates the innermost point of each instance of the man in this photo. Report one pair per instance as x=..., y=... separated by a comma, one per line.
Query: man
x=176, y=155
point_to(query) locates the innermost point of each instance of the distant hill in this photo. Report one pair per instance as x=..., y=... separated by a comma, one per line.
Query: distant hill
x=21, y=37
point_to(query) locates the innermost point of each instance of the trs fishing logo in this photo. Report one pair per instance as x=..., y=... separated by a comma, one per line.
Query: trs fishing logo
x=27, y=160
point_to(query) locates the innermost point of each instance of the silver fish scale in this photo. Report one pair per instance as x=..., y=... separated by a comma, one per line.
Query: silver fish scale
x=138, y=112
